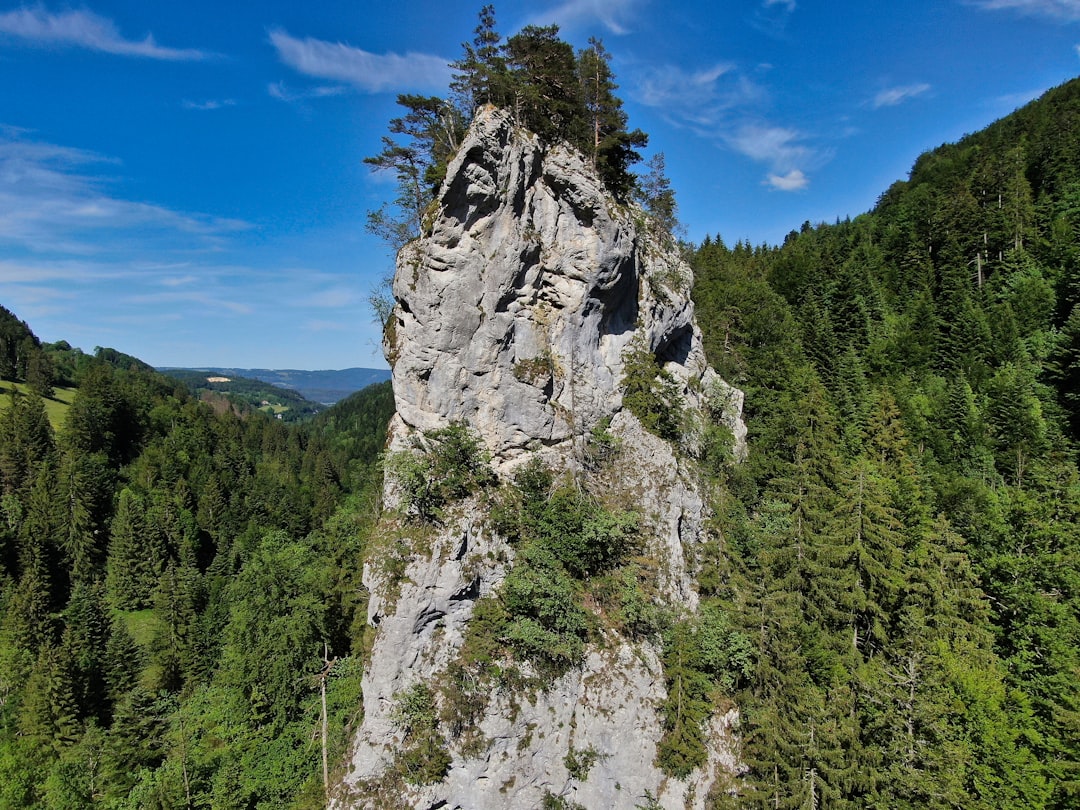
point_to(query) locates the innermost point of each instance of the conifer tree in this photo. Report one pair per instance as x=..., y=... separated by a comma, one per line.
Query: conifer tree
x=481, y=74
x=132, y=567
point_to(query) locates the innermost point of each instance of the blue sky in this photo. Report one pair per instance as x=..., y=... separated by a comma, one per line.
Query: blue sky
x=184, y=181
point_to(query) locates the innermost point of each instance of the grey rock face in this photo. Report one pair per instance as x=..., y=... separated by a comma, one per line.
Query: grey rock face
x=610, y=705
x=514, y=314
x=515, y=311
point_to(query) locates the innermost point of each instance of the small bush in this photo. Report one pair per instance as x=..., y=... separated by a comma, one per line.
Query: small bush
x=580, y=761
x=650, y=393
x=448, y=465
x=702, y=656
x=425, y=759
x=547, y=623
x=603, y=447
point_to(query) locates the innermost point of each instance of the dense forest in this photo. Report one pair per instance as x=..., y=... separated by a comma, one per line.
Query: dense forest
x=182, y=622
x=179, y=591
x=902, y=547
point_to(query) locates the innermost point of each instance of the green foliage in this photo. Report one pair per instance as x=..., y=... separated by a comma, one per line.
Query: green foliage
x=703, y=658
x=898, y=531
x=448, y=465
x=651, y=393
x=553, y=802
x=552, y=91
x=579, y=762
x=546, y=621
x=425, y=759
x=166, y=606
x=603, y=447
x=247, y=394
x=277, y=623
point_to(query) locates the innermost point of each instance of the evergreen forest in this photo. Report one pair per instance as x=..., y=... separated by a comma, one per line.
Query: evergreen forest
x=182, y=622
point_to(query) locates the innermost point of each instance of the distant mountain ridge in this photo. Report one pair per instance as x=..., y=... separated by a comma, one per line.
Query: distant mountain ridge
x=324, y=386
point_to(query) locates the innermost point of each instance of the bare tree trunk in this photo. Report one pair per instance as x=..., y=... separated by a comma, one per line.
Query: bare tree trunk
x=328, y=665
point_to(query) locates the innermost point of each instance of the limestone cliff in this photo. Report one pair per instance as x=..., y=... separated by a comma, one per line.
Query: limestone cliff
x=516, y=314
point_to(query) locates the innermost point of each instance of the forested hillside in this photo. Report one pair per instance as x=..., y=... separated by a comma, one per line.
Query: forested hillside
x=178, y=592
x=902, y=546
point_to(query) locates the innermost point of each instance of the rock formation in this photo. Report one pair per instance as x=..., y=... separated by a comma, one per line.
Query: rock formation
x=517, y=311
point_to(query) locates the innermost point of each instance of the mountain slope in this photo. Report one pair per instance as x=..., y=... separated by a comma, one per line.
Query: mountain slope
x=907, y=519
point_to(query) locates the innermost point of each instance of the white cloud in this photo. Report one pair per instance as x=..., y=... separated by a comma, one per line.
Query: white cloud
x=789, y=5
x=51, y=201
x=892, y=96
x=281, y=92
x=792, y=181
x=1066, y=10
x=615, y=15
x=696, y=98
x=370, y=72
x=766, y=144
x=780, y=149
x=211, y=104
x=84, y=29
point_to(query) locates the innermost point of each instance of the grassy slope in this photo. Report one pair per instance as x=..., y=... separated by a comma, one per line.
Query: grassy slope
x=56, y=407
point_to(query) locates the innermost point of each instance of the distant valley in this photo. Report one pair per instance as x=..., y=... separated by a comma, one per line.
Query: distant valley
x=325, y=386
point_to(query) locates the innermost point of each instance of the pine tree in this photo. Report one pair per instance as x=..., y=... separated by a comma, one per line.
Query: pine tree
x=132, y=567
x=605, y=137
x=26, y=440
x=547, y=95
x=481, y=74
x=83, y=644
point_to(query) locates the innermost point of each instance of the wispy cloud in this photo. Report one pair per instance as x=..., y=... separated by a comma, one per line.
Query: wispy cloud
x=178, y=281
x=316, y=325
x=892, y=96
x=781, y=149
x=280, y=91
x=187, y=299
x=210, y=104
x=1005, y=104
x=369, y=72
x=771, y=17
x=333, y=298
x=792, y=181
x=717, y=103
x=54, y=199
x=84, y=29
x=695, y=98
x=1065, y=10
x=615, y=15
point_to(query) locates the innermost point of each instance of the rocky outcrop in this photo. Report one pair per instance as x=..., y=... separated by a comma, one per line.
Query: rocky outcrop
x=516, y=314
x=515, y=311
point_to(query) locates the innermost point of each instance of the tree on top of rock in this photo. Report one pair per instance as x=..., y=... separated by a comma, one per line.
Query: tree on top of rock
x=559, y=95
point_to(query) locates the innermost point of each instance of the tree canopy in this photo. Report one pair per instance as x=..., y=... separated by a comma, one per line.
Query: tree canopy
x=560, y=95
